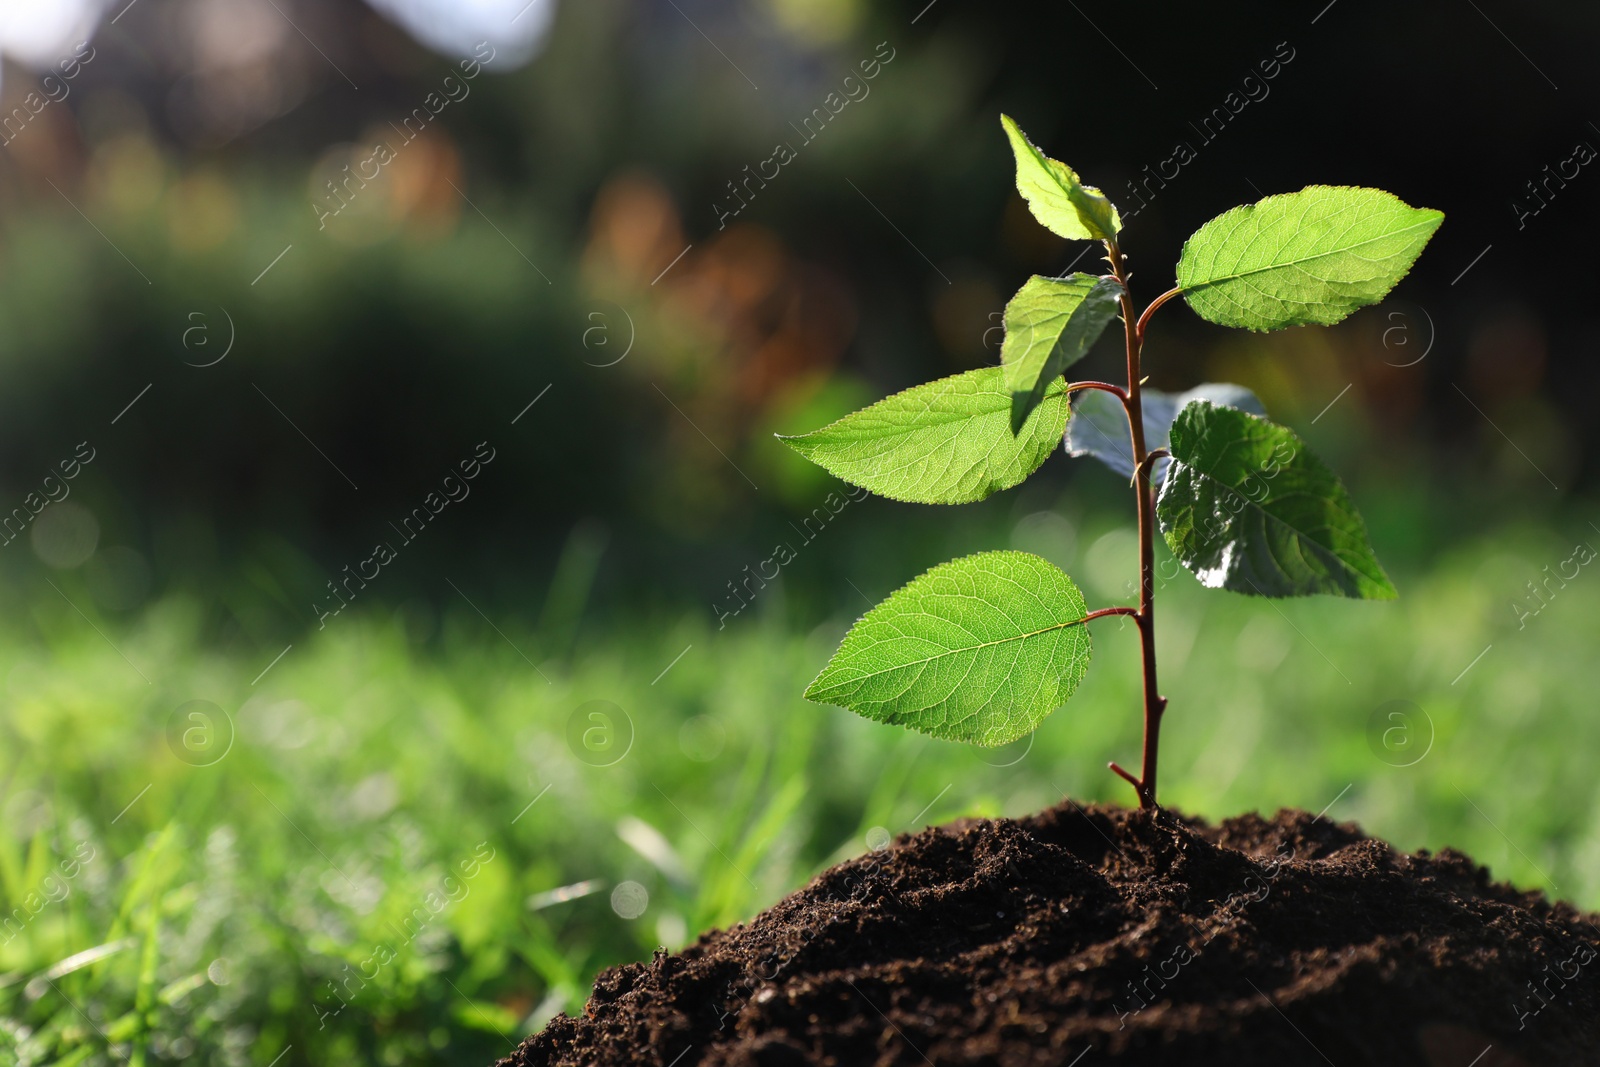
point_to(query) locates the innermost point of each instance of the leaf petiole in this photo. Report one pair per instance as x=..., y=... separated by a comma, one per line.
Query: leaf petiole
x=1150, y=457
x=1144, y=318
x=1115, y=390
x=1132, y=613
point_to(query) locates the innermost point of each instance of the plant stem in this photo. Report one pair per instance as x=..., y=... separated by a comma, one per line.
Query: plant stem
x=1149, y=458
x=1115, y=390
x=1138, y=328
x=1154, y=702
x=1101, y=613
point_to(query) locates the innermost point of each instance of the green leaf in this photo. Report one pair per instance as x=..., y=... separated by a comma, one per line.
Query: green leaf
x=1099, y=425
x=946, y=442
x=1247, y=506
x=979, y=649
x=1310, y=257
x=1050, y=324
x=1058, y=200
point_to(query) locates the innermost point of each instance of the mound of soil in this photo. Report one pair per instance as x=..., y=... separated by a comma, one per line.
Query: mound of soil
x=1078, y=936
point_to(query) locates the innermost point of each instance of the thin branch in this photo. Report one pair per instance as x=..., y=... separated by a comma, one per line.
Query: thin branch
x=1144, y=465
x=1115, y=390
x=1138, y=328
x=1132, y=613
x=1138, y=787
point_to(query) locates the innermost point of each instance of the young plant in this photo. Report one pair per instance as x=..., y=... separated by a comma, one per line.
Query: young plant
x=982, y=648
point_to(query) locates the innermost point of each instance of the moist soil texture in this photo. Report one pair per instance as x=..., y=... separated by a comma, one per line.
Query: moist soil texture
x=1086, y=935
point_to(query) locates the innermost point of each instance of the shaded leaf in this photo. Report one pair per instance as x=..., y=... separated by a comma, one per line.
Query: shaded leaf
x=1248, y=507
x=979, y=649
x=945, y=442
x=1099, y=426
x=1064, y=205
x=1310, y=257
x=1050, y=324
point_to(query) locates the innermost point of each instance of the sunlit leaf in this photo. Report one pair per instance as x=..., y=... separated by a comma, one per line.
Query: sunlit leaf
x=1310, y=257
x=946, y=442
x=979, y=649
x=1050, y=324
x=1064, y=205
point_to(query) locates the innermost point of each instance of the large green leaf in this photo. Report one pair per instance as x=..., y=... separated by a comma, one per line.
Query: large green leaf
x=1248, y=507
x=979, y=649
x=1310, y=257
x=1050, y=324
x=946, y=442
x=1063, y=204
x=1099, y=423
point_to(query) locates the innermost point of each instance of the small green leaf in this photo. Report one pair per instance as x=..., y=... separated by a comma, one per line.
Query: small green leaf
x=1099, y=425
x=946, y=442
x=1310, y=257
x=979, y=649
x=1058, y=200
x=1248, y=507
x=1050, y=324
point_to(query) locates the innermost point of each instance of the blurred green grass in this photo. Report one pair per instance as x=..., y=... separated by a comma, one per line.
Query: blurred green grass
x=276, y=903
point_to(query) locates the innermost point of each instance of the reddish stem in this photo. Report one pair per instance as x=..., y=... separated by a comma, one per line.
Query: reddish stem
x=1130, y=778
x=1138, y=328
x=1115, y=390
x=1154, y=702
x=1149, y=458
x=1101, y=612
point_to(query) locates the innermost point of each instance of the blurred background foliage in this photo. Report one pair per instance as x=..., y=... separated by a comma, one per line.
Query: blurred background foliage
x=520, y=242
x=561, y=233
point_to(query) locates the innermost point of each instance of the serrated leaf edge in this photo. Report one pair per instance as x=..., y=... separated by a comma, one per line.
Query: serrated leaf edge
x=1435, y=218
x=810, y=690
x=1094, y=230
x=790, y=439
x=1028, y=400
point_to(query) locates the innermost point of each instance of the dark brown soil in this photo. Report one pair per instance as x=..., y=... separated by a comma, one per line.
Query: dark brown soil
x=1140, y=938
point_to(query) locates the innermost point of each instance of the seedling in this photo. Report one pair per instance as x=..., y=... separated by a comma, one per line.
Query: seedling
x=982, y=648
